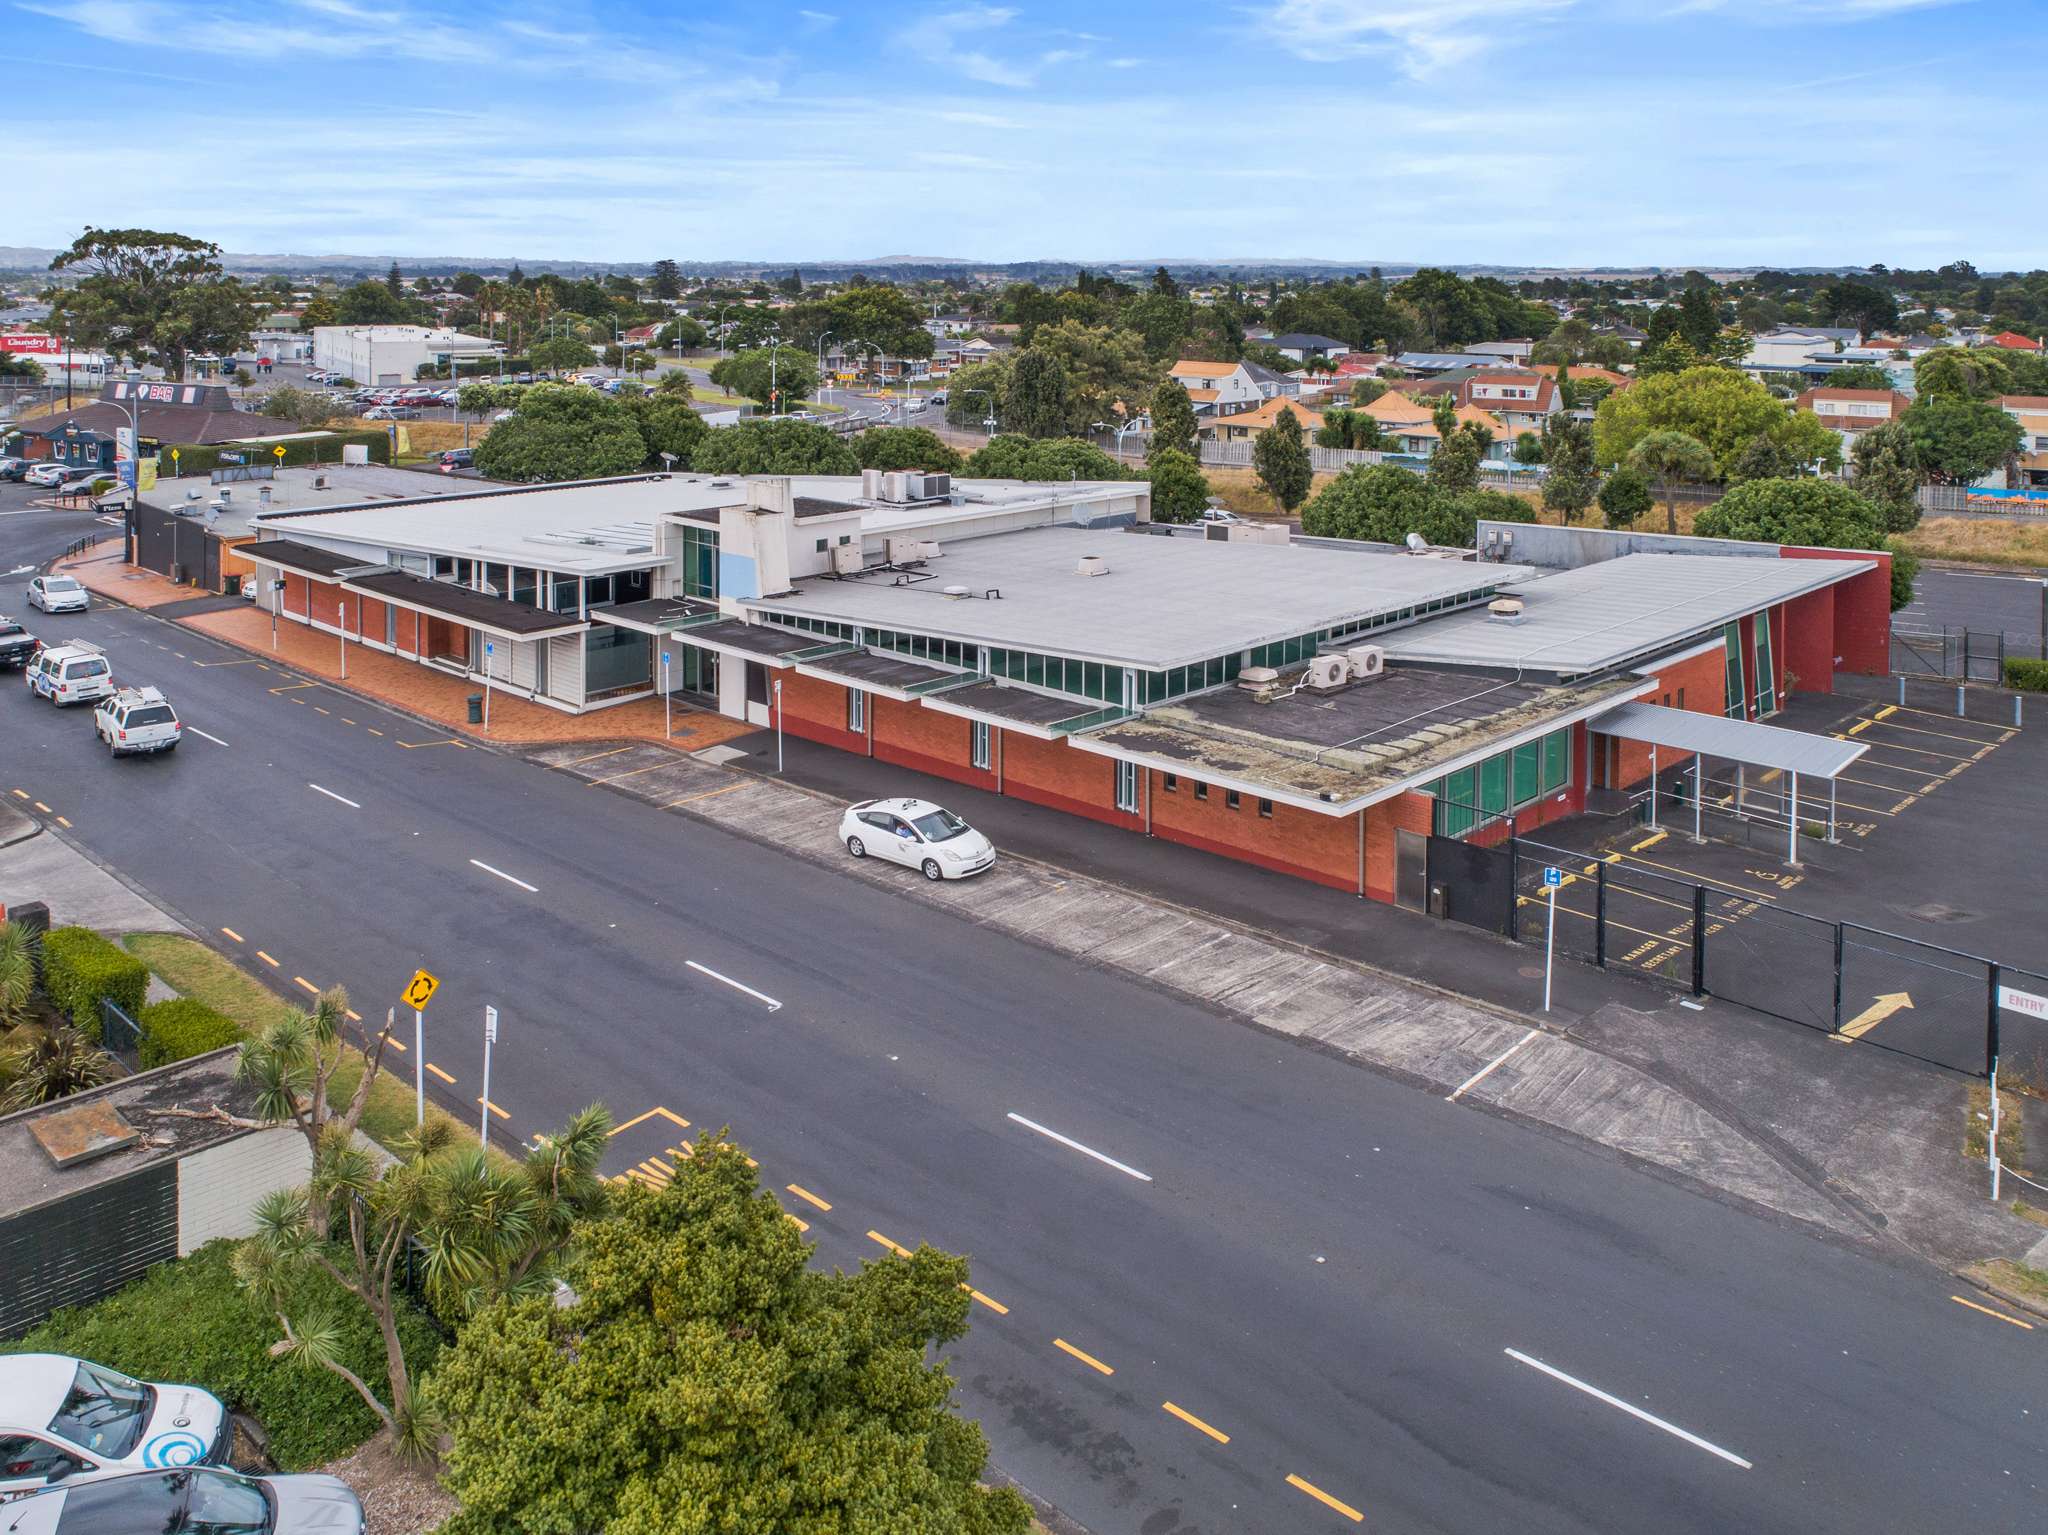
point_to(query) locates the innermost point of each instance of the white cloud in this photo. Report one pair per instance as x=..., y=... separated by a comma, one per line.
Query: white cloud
x=1125, y=63
x=1809, y=10
x=1423, y=36
x=945, y=41
x=817, y=21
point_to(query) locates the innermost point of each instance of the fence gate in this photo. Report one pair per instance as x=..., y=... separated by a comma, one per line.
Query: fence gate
x=1471, y=884
x=1916, y=998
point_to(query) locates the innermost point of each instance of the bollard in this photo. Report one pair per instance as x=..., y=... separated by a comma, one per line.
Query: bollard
x=1959, y=700
x=2015, y=711
x=1902, y=690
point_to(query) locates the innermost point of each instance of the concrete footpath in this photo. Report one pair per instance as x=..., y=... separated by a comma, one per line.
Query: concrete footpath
x=39, y=865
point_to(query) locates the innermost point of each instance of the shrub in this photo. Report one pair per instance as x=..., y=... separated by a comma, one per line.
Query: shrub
x=2026, y=674
x=188, y=1320
x=80, y=967
x=181, y=1028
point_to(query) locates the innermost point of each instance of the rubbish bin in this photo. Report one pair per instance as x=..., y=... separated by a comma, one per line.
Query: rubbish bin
x=476, y=708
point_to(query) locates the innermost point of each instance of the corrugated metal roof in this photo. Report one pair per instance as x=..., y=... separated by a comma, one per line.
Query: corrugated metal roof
x=1771, y=746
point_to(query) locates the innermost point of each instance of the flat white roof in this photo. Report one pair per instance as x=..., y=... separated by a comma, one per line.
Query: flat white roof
x=1586, y=620
x=1165, y=601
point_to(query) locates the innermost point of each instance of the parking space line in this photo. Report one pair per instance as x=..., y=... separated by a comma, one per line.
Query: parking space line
x=899, y=1251
x=1194, y=1422
x=2015, y=1321
x=1948, y=735
x=305, y=985
x=807, y=1196
x=195, y=730
x=675, y=1119
x=594, y=756
x=233, y=934
x=1652, y=840
x=437, y=1071
x=1086, y=1358
x=1324, y=1498
x=1491, y=1066
x=705, y=794
x=994, y=1305
x=629, y=773
x=1922, y=751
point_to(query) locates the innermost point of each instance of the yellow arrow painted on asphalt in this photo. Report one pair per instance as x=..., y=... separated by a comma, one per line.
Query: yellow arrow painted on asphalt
x=1874, y=1014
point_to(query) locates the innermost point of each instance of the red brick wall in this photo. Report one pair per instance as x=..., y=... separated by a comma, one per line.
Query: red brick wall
x=1052, y=773
x=366, y=620
x=816, y=710
x=1411, y=812
x=1809, y=634
x=912, y=736
x=1293, y=841
x=1705, y=683
x=1863, y=610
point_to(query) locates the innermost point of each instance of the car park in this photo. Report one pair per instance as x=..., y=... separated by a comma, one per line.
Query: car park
x=199, y=1500
x=918, y=833
x=72, y=673
x=68, y=1420
x=58, y=594
x=17, y=646
x=137, y=720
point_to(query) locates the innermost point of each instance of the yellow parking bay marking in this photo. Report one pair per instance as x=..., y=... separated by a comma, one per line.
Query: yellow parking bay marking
x=1947, y=735
x=807, y=1196
x=899, y=1251
x=797, y=1221
x=706, y=794
x=239, y=661
x=675, y=1119
x=373, y=730
x=304, y=984
x=494, y=1108
x=1325, y=1499
x=1921, y=751
x=233, y=934
x=266, y=959
x=1859, y=727
x=994, y=1305
x=1194, y=1422
x=449, y=741
x=20, y=793
x=594, y=756
x=1652, y=840
x=292, y=687
x=64, y=821
x=629, y=773
x=1086, y=1358
x=2015, y=1321
x=44, y=808
x=437, y=1071
x=1886, y=712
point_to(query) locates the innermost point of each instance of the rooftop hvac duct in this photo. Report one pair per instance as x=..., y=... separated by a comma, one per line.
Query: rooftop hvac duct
x=1093, y=565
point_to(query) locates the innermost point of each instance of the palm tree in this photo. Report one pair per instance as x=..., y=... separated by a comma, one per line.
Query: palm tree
x=43, y=1065
x=17, y=972
x=1672, y=459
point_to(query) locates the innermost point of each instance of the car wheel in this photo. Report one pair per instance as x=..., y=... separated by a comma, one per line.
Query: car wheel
x=856, y=847
x=932, y=871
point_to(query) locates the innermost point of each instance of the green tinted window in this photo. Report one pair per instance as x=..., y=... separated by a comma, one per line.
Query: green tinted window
x=1557, y=760
x=1527, y=785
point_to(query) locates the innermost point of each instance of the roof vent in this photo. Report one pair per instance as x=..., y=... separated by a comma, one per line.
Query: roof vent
x=1093, y=565
x=1417, y=544
x=957, y=592
x=1505, y=610
x=1259, y=681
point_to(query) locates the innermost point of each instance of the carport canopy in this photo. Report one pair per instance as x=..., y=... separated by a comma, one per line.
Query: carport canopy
x=1714, y=735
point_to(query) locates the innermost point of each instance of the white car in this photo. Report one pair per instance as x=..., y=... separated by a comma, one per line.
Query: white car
x=137, y=720
x=46, y=474
x=72, y=673
x=927, y=837
x=203, y=1500
x=58, y=594
x=69, y=1420
x=1217, y=514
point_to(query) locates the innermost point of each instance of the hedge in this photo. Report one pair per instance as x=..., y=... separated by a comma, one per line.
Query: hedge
x=203, y=458
x=80, y=967
x=2026, y=674
x=188, y=1321
x=181, y=1028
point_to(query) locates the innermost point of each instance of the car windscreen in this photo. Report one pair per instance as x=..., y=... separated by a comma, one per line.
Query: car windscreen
x=60, y=584
x=189, y=1502
x=86, y=669
x=9, y=631
x=153, y=714
x=104, y=1411
x=940, y=826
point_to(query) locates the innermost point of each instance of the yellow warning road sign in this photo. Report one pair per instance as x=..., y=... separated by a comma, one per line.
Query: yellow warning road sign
x=419, y=991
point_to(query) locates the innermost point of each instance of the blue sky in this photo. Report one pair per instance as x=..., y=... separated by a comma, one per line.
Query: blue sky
x=1537, y=131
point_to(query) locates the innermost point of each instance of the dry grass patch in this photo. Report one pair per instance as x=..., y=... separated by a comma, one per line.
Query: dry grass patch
x=1979, y=540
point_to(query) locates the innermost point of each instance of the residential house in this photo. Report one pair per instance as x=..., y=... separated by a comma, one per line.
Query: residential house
x=1245, y=425
x=1305, y=347
x=1792, y=348
x=1850, y=412
x=640, y=337
x=1272, y=383
x=1217, y=388
x=2031, y=411
x=2014, y=341
x=943, y=325
x=1411, y=422
x=1523, y=400
x=1430, y=364
x=1513, y=351
x=1634, y=336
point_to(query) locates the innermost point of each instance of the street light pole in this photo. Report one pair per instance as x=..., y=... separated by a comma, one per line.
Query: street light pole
x=821, y=362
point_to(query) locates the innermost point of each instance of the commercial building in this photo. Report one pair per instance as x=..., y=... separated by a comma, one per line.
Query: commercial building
x=1319, y=708
x=394, y=354
x=165, y=414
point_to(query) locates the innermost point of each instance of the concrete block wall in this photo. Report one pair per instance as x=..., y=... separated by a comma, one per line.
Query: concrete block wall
x=218, y=1187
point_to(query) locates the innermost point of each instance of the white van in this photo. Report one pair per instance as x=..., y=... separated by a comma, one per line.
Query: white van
x=137, y=720
x=72, y=673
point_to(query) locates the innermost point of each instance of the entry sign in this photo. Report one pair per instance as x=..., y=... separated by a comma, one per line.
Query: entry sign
x=419, y=991
x=1552, y=878
x=2033, y=1004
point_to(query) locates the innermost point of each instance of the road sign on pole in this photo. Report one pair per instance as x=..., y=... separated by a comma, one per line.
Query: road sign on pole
x=483, y=1129
x=1552, y=878
x=419, y=991
x=490, y=648
x=667, y=730
x=2033, y=1004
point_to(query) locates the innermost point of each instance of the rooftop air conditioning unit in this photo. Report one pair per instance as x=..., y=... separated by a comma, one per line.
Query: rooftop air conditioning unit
x=909, y=551
x=870, y=484
x=1327, y=674
x=895, y=486
x=1367, y=661
x=846, y=559
x=930, y=487
x=1093, y=565
x=320, y=482
x=1505, y=610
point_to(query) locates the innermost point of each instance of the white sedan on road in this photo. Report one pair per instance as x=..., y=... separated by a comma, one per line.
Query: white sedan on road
x=58, y=594
x=927, y=837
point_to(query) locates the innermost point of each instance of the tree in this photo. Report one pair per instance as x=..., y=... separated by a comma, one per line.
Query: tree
x=320, y=310
x=682, y=334
x=1163, y=322
x=1962, y=373
x=776, y=377
x=1108, y=372
x=1174, y=429
x=1699, y=322
x=667, y=424
x=41, y=1065
x=563, y=432
x=13, y=365
x=1671, y=459
x=774, y=447
x=1624, y=497
x=1568, y=478
x=370, y=303
x=1012, y=456
x=395, y=281
x=976, y=392
x=1887, y=472
x=1858, y=375
x=1163, y=283
x=1961, y=440
x=667, y=281
x=755, y=1392
x=1763, y=459
x=1384, y=503
x=1039, y=402
x=304, y=407
x=469, y=284
x=1180, y=492
x=1280, y=458
x=1365, y=390
x=1809, y=513
x=1716, y=406
x=149, y=294
x=486, y=1233
x=1454, y=466
x=905, y=447
x=677, y=384
x=1350, y=429
x=1528, y=449
x=562, y=354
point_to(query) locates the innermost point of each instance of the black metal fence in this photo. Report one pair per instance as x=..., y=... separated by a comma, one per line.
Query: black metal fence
x=118, y=1032
x=1969, y=655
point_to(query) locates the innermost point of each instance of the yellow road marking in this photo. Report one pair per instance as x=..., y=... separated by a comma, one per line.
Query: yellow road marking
x=1902, y=804
x=494, y=1108
x=44, y=808
x=301, y=981
x=234, y=935
x=299, y=701
x=629, y=773
x=1194, y=1422
x=1086, y=1358
x=2015, y=1321
x=437, y=1071
x=266, y=959
x=346, y=720
x=1859, y=727
x=901, y=1252
x=373, y=730
x=292, y=687
x=594, y=756
x=797, y=1221
x=1650, y=841
x=1922, y=751
x=396, y=1043
x=263, y=666
x=1324, y=1498
x=63, y=821
x=1879, y=1010
x=318, y=710
x=807, y=1196
x=707, y=794
x=675, y=1119
x=243, y=661
x=1886, y=712
x=994, y=1305
x=20, y=794
x=1947, y=735
x=353, y=1015
x=1724, y=886
x=449, y=741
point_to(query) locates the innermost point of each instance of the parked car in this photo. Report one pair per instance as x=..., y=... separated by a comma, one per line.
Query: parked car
x=17, y=645
x=47, y=473
x=58, y=594
x=457, y=458
x=13, y=468
x=202, y=1500
x=1218, y=514
x=69, y=1420
x=938, y=397
x=74, y=673
x=137, y=720
x=391, y=413
x=927, y=837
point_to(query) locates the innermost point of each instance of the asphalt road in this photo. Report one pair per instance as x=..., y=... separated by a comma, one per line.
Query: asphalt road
x=1981, y=601
x=1364, y=1288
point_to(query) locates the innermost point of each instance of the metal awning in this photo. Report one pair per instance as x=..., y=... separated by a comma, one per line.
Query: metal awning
x=495, y=616
x=658, y=615
x=751, y=642
x=888, y=676
x=1712, y=735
